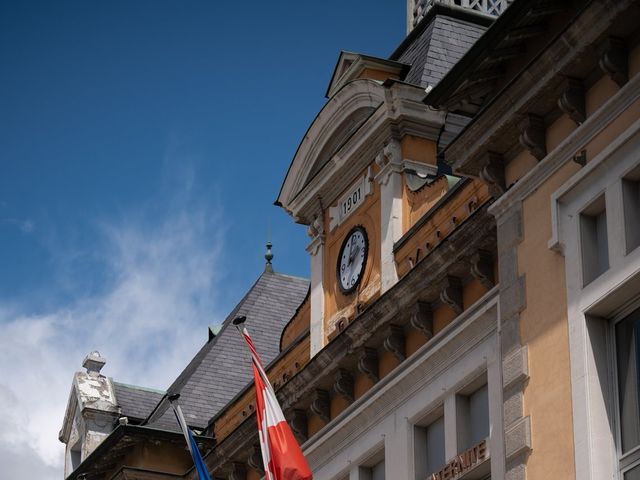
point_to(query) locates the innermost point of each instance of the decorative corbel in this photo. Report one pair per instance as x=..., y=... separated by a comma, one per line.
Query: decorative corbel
x=482, y=267
x=315, y=231
x=238, y=471
x=422, y=318
x=298, y=422
x=451, y=294
x=493, y=173
x=321, y=404
x=571, y=100
x=255, y=459
x=343, y=385
x=394, y=341
x=533, y=135
x=389, y=160
x=613, y=60
x=368, y=363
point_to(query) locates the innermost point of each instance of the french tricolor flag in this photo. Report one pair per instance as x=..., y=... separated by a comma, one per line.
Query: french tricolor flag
x=281, y=454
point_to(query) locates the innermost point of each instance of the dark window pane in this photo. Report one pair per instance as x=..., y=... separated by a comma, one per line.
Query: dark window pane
x=633, y=474
x=627, y=343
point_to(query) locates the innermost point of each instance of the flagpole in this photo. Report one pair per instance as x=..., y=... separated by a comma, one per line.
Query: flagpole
x=281, y=455
x=198, y=462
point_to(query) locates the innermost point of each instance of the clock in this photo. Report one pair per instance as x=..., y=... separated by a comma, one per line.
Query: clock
x=352, y=259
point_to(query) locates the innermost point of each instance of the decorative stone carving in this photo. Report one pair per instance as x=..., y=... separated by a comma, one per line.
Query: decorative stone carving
x=321, y=404
x=613, y=60
x=533, y=135
x=298, y=422
x=451, y=294
x=238, y=471
x=422, y=318
x=255, y=459
x=482, y=268
x=493, y=173
x=343, y=385
x=389, y=160
x=394, y=341
x=368, y=363
x=571, y=100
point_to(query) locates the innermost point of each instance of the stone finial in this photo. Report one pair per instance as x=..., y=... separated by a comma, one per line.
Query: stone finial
x=268, y=257
x=94, y=363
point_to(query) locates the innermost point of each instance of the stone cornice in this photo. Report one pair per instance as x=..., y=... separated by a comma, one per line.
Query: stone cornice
x=574, y=142
x=540, y=79
x=401, y=112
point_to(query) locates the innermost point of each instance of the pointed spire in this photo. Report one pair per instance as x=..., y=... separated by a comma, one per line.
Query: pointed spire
x=268, y=257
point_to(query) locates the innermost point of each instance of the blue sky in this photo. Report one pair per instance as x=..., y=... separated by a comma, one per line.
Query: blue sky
x=142, y=144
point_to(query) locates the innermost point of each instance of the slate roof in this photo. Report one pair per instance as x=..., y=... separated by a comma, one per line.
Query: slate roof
x=436, y=44
x=222, y=367
x=135, y=402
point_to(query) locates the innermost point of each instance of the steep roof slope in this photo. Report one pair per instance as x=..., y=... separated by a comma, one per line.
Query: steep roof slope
x=222, y=368
x=438, y=43
x=136, y=403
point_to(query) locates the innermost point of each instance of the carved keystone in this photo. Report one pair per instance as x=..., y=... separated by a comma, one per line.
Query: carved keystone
x=493, y=173
x=422, y=318
x=613, y=60
x=343, y=385
x=298, y=421
x=571, y=100
x=533, y=135
x=482, y=268
x=451, y=294
x=394, y=341
x=368, y=363
x=238, y=471
x=321, y=404
x=255, y=459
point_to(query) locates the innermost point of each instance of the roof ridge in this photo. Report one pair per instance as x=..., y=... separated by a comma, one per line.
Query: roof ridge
x=138, y=387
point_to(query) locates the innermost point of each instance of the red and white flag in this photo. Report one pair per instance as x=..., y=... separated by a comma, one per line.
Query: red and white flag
x=281, y=454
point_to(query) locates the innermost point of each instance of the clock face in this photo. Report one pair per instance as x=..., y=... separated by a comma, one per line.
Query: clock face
x=352, y=259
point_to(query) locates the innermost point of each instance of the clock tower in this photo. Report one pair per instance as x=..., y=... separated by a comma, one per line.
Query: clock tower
x=348, y=183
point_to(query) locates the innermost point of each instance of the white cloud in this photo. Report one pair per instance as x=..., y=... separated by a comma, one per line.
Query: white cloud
x=147, y=323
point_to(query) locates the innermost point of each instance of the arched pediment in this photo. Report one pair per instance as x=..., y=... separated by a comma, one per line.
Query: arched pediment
x=338, y=120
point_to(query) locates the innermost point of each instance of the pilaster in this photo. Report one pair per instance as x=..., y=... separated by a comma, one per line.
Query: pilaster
x=390, y=179
x=316, y=297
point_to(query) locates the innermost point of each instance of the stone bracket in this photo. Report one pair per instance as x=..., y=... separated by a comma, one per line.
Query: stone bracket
x=482, y=268
x=451, y=294
x=321, y=404
x=297, y=419
x=255, y=459
x=533, y=135
x=394, y=341
x=492, y=173
x=422, y=318
x=613, y=60
x=343, y=385
x=238, y=471
x=368, y=363
x=571, y=100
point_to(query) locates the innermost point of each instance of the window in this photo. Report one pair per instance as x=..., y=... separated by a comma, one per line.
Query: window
x=594, y=242
x=627, y=361
x=429, y=444
x=631, y=206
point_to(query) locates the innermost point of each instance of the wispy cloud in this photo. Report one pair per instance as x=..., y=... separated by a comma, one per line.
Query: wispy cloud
x=147, y=322
x=25, y=226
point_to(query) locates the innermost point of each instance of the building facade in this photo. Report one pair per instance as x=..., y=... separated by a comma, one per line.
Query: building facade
x=473, y=206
